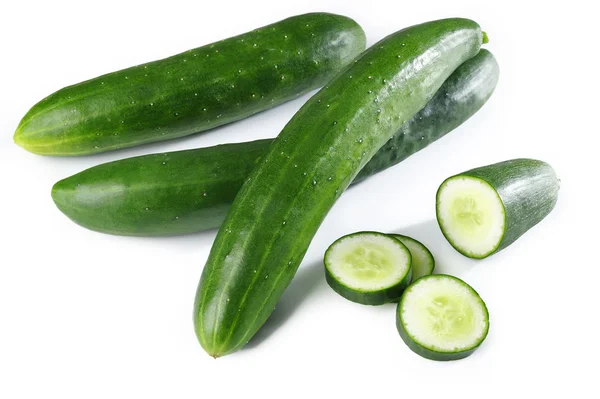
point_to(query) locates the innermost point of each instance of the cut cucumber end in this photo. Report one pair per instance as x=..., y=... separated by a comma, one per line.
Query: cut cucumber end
x=471, y=215
x=368, y=267
x=423, y=262
x=440, y=317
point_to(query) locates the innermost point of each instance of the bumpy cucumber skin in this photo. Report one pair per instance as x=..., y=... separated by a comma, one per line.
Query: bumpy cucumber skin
x=463, y=94
x=178, y=192
x=143, y=182
x=528, y=189
x=380, y=297
x=319, y=152
x=193, y=91
x=401, y=237
x=427, y=352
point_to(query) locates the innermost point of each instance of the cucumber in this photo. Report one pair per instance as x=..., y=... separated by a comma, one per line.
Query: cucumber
x=193, y=91
x=441, y=317
x=368, y=267
x=484, y=210
x=463, y=94
x=279, y=208
x=190, y=191
x=423, y=262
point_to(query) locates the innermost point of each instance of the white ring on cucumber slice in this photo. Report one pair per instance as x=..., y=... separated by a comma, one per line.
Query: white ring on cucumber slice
x=471, y=215
x=368, y=267
x=423, y=262
x=441, y=317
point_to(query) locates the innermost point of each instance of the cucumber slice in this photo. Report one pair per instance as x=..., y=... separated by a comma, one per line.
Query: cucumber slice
x=440, y=317
x=423, y=262
x=486, y=209
x=368, y=267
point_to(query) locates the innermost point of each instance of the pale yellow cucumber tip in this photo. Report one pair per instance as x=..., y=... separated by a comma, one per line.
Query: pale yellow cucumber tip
x=20, y=140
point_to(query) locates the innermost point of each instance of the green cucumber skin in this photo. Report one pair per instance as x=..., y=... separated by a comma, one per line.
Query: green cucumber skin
x=461, y=96
x=528, y=189
x=170, y=193
x=374, y=298
x=431, y=354
x=193, y=91
x=144, y=182
x=319, y=152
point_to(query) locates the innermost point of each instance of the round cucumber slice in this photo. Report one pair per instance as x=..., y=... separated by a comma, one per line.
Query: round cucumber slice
x=423, y=262
x=368, y=267
x=471, y=215
x=440, y=317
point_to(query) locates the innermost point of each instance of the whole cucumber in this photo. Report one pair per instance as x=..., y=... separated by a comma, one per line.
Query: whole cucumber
x=193, y=91
x=189, y=191
x=319, y=152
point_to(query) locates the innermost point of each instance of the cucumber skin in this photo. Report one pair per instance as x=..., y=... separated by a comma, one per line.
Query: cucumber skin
x=463, y=94
x=374, y=298
x=165, y=99
x=528, y=189
x=144, y=182
x=431, y=354
x=319, y=152
x=152, y=195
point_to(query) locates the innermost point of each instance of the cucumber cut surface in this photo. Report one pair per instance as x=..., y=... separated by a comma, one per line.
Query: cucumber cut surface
x=423, y=262
x=368, y=267
x=440, y=317
x=471, y=215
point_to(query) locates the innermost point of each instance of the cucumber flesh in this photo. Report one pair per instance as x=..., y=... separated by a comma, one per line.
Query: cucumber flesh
x=471, y=215
x=441, y=317
x=368, y=267
x=423, y=262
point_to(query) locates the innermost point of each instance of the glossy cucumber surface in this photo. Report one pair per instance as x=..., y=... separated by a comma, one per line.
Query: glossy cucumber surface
x=320, y=151
x=193, y=91
x=189, y=191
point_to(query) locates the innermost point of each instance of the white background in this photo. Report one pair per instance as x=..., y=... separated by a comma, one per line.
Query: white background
x=87, y=315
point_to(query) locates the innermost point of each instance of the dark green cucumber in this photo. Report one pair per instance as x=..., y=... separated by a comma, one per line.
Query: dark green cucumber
x=484, y=210
x=369, y=268
x=319, y=152
x=193, y=91
x=189, y=191
x=440, y=317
